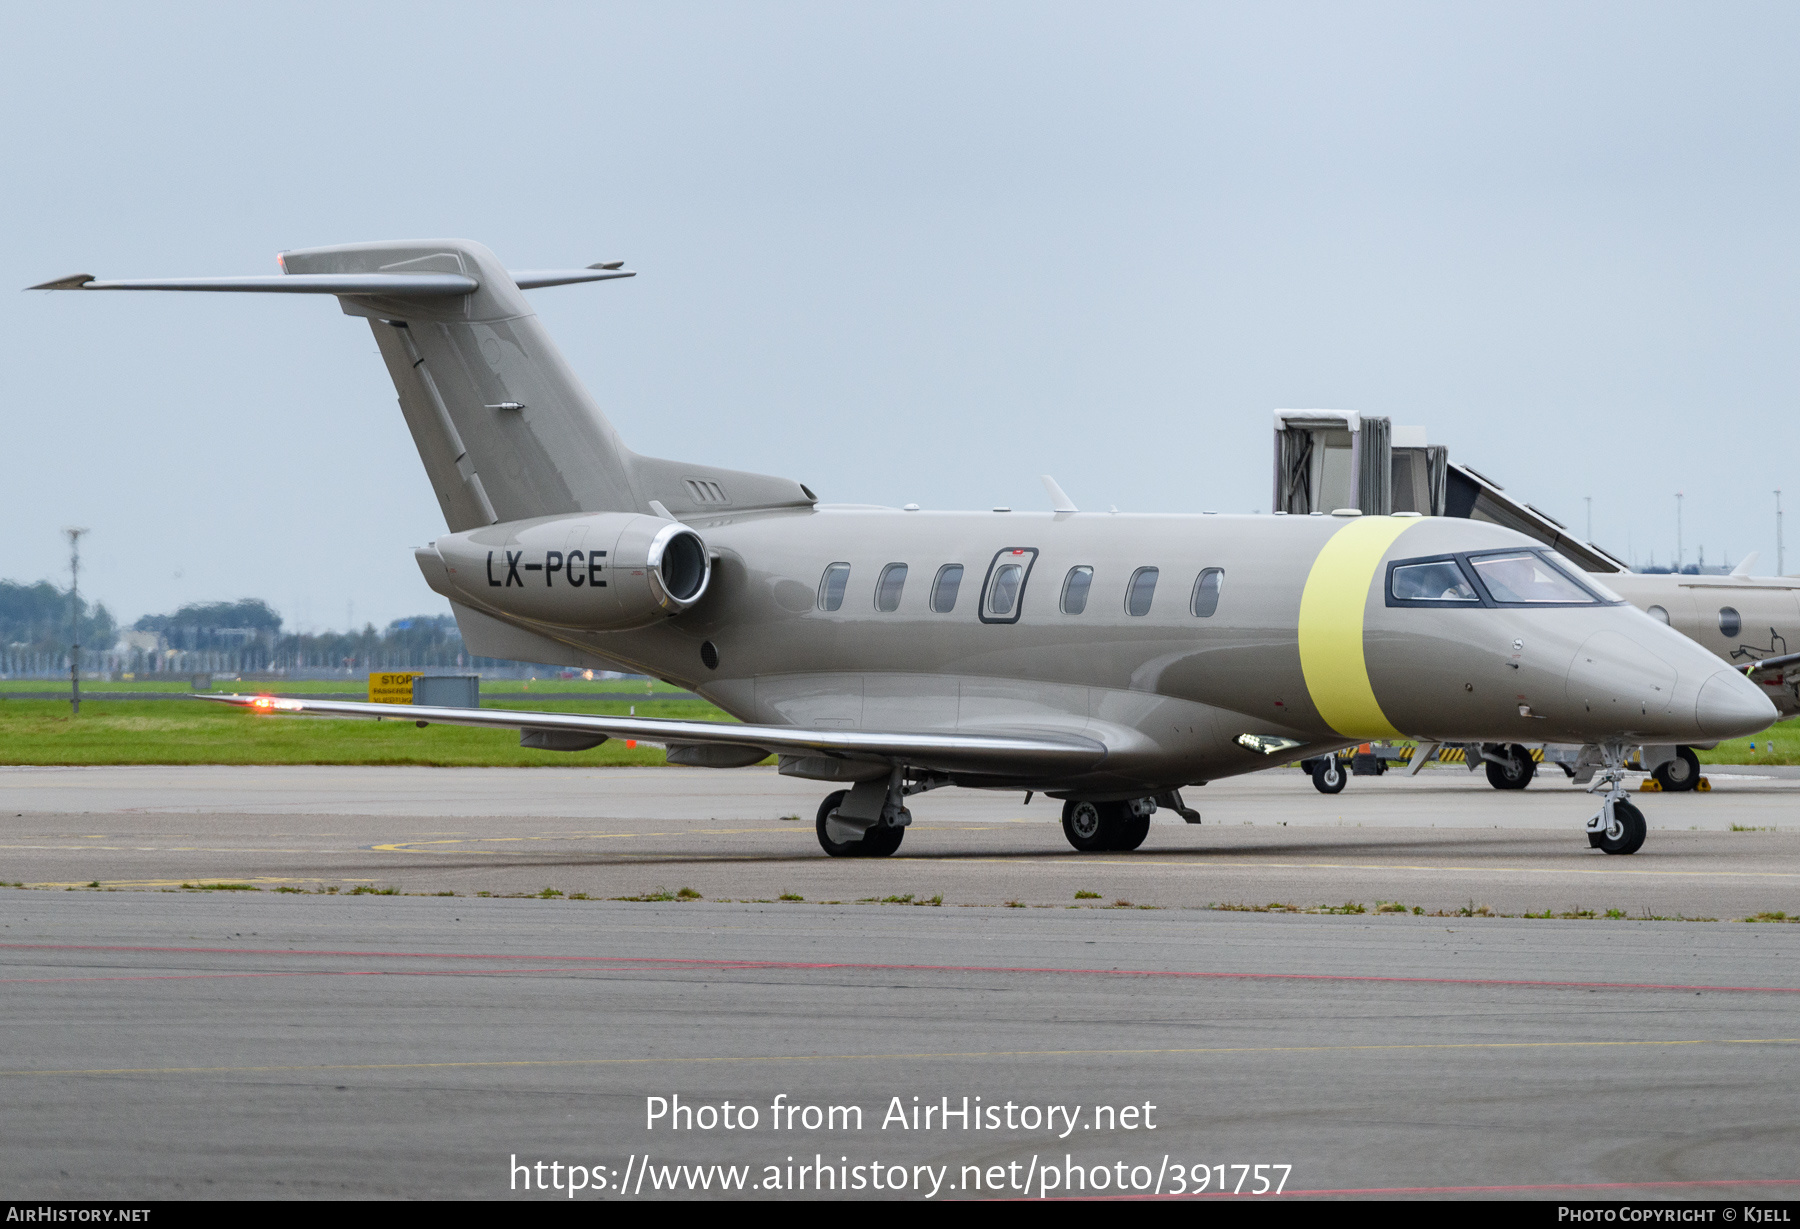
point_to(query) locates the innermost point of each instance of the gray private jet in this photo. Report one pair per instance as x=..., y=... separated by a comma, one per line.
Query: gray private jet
x=1108, y=660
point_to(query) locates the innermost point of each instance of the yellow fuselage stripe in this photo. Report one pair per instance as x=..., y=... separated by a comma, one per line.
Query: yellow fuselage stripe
x=1331, y=625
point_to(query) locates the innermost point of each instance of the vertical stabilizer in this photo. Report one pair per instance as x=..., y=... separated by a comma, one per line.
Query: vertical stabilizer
x=504, y=428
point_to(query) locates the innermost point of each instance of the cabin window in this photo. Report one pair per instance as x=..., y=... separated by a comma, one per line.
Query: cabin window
x=1437, y=580
x=1140, y=592
x=1003, y=596
x=1730, y=623
x=831, y=586
x=1005, y=590
x=1075, y=589
x=888, y=587
x=944, y=587
x=1206, y=592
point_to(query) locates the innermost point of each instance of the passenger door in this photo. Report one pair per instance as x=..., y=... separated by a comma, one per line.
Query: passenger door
x=1003, y=590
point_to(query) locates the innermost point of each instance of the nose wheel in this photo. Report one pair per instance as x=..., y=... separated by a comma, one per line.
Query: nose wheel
x=1619, y=827
x=1328, y=775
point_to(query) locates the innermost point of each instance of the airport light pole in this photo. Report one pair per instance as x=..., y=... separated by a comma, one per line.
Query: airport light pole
x=1780, y=563
x=75, y=620
x=1679, y=552
x=1589, y=500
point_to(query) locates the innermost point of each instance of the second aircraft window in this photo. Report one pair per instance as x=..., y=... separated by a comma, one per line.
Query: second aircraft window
x=887, y=589
x=1140, y=592
x=831, y=586
x=1075, y=589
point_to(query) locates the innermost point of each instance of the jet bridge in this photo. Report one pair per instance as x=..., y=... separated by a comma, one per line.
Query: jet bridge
x=1326, y=460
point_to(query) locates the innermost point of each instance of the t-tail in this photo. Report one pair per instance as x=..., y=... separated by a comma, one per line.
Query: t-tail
x=504, y=428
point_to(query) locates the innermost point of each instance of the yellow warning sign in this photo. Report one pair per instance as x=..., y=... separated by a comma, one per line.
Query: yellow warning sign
x=391, y=688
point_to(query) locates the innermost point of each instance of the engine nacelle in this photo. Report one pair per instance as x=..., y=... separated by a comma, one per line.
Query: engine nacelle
x=607, y=571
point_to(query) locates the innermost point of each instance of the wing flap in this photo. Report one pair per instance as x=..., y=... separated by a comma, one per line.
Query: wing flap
x=1006, y=754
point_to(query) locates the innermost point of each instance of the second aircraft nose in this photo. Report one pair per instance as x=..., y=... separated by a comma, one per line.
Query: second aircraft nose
x=1731, y=706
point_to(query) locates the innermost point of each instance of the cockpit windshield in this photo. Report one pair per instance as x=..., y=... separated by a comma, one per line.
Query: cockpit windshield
x=1588, y=579
x=1494, y=578
x=1525, y=576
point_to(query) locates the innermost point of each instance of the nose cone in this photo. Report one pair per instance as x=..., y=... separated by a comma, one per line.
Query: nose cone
x=1731, y=706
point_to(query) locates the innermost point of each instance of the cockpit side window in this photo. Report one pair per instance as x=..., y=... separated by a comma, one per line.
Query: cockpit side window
x=1433, y=581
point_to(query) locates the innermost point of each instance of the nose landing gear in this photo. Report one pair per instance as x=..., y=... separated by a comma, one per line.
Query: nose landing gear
x=1618, y=827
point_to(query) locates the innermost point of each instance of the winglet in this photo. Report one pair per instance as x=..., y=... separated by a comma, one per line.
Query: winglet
x=1745, y=564
x=1059, y=502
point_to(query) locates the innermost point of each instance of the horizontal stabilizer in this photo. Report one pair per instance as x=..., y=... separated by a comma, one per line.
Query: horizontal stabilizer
x=386, y=285
x=424, y=284
x=532, y=279
x=1001, y=754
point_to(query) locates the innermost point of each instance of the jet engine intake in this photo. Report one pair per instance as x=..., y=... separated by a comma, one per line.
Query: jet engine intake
x=606, y=571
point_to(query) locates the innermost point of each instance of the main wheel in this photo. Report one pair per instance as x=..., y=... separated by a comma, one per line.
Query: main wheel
x=1626, y=832
x=1516, y=775
x=1131, y=831
x=1329, y=776
x=1093, y=827
x=877, y=842
x=1680, y=773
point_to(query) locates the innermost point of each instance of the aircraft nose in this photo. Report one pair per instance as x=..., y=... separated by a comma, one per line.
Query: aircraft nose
x=1731, y=706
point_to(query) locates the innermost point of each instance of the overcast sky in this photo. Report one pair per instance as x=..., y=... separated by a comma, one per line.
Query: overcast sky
x=910, y=252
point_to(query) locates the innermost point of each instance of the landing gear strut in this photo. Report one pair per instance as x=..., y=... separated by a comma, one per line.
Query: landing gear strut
x=1619, y=827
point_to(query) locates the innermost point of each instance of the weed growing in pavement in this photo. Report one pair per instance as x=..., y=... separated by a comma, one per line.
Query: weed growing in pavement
x=1015, y=904
x=217, y=887
x=792, y=896
x=1750, y=828
x=1777, y=916
x=687, y=894
x=897, y=900
x=788, y=819
x=1086, y=895
x=363, y=889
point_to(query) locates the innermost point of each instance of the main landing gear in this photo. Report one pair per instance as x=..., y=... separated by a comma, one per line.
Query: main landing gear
x=1680, y=773
x=1619, y=827
x=869, y=819
x=1099, y=827
x=1508, y=767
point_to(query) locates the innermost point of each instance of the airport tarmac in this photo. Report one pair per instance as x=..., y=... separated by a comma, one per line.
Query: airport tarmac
x=1441, y=842
x=187, y=1044
x=261, y=1046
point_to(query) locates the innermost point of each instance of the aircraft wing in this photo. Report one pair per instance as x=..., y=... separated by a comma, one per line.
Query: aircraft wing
x=1771, y=663
x=1005, y=754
